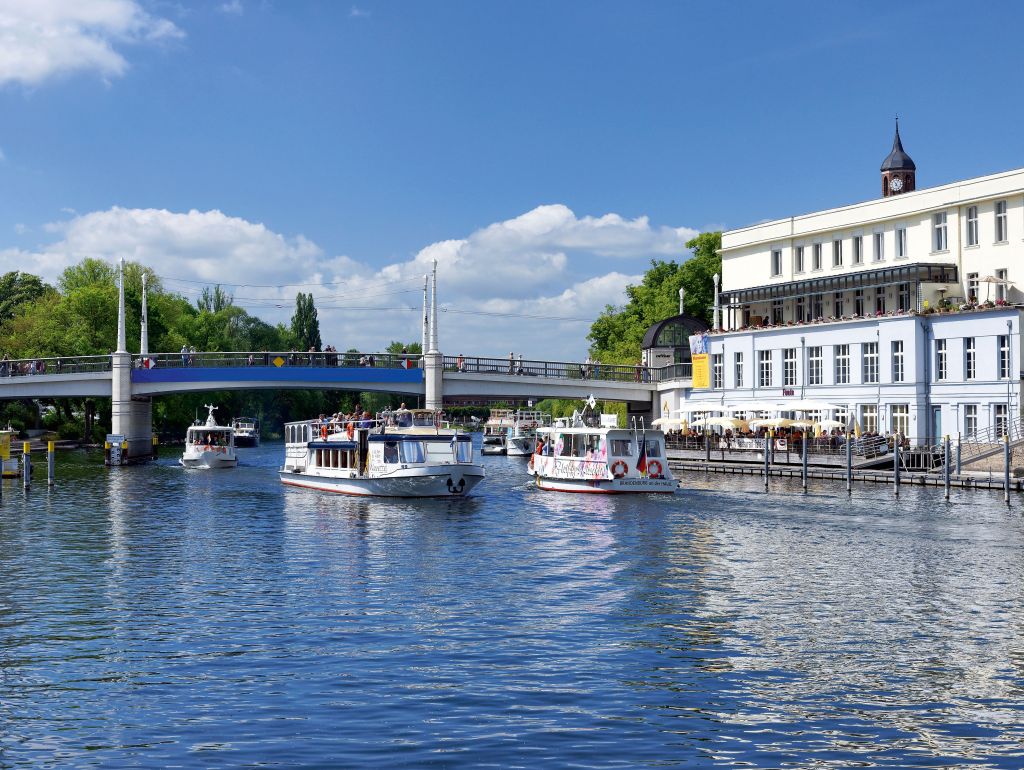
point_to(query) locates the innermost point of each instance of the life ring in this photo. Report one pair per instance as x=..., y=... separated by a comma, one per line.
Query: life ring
x=654, y=469
x=350, y=429
x=323, y=431
x=618, y=469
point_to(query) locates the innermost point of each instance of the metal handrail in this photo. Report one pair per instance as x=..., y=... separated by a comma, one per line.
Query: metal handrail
x=24, y=367
x=566, y=370
x=263, y=358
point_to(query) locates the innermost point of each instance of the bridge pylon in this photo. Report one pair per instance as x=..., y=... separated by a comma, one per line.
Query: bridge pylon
x=131, y=417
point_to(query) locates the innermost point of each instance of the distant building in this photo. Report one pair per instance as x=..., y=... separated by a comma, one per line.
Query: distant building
x=904, y=311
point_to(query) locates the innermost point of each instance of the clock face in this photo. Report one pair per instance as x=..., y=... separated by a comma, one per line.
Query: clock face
x=896, y=184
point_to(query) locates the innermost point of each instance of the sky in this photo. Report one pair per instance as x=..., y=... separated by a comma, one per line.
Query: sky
x=542, y=152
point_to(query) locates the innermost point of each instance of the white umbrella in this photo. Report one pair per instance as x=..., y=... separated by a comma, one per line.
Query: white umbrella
x=775, y=422
x=721, y=422
x=807, y=405
x=691, y=408
x=667, y=422
x=829, y=424
x=753, y=406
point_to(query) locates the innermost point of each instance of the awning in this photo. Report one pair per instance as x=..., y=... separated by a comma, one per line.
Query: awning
x=921, y=272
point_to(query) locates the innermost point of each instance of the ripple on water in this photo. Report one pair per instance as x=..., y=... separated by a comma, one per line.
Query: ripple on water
x=156, y=616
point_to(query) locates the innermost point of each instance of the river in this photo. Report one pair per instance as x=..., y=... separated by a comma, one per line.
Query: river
x=158, y=617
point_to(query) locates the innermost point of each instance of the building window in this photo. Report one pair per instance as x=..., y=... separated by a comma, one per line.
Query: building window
x=716, y=371
x=814, y=368
x=798, y=259
x=972, y=287
x=904, y=297
x=940, y=243
x=900, y=418
x=789, y=367
x=837, y=253
x=778, y=316
x=870, y=363
x=970, y=419
x=837, y=304
x=1001, y=285
x=880, y=300
x=801, y=308
x=776, y=262
x=970, y=359
x=1000, y=221
x=858, y=249
x=817, y=307
x=764, y=368
x=737, y=367
x=869, y=418
x=940, y=359
x=816, y=257
x=858, y=302
x=879, y=239
x=842, y=364
x=972, y=226
x=901, y=243
x=897, y=361
x=1004, y=356
x=999, y=419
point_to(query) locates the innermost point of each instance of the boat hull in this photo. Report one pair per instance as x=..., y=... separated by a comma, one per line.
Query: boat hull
x=492, y=447
x=241, y=440
x=623, y=486
x=522, y=446
x=210, y=460
x=456, y=481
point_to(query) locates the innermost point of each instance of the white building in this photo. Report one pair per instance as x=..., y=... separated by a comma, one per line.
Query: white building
x=879, y=307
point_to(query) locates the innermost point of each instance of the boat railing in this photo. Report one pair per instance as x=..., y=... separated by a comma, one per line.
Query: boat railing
x=26, y=367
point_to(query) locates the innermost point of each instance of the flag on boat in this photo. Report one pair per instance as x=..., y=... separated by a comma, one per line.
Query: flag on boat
x=641, y=464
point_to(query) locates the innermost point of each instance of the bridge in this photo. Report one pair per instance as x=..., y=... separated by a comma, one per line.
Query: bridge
x=132, y=380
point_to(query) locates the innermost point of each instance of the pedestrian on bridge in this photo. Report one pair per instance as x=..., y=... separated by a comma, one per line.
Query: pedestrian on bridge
x=511, y=363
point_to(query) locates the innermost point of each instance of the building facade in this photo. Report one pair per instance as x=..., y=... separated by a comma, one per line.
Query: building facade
x=903, y=311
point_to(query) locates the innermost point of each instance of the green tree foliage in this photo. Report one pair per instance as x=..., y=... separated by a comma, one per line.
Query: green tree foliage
x=395, y=348
x=617, y=333
x=305, y=325
x=18, y=290
x=215, y=300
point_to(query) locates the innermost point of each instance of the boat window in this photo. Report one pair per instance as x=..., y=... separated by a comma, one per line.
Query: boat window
x=423, y=420
x=391, y=451
x=593, y=444
x=412, y=451
x=403, y=419
x=622, y=447
x=464, y=451
x=653, y=448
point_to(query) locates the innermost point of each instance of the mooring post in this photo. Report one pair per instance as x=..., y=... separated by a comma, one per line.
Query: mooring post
x=803, y=451
x=958, y=448
x=1006, y=468
x=26, y=464
x=50, y=452
x=767, y=457
x=707, y=448
x=945, y=464
x=849, y=463
x=896, y=464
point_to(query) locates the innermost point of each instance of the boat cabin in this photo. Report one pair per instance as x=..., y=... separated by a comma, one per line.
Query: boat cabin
x=210, y=435
x=599, y=445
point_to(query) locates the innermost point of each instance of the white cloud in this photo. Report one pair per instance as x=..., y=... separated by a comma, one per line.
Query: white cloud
x=233, y=7
x=359, y=13
x=2, y=156
x=42, y=39
x=547, y=262
x=20, y=228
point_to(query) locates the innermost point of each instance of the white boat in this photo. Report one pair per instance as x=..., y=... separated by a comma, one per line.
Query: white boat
x=401, y=454
x=9, y=466
x=600, y=459
x=209, y=445
x=247, y=431
x=496, y=429
x=521, y=439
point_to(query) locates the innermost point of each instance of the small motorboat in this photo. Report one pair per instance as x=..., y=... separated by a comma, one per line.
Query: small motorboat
x=247, y=431
x=209, y=445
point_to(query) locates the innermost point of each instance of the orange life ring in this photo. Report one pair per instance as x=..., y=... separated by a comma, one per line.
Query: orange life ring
x=350, y=429
x=618, y=469
x=323, y=431
x=654, y=469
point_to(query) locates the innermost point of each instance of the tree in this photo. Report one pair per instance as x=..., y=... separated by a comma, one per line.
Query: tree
x=616, y=335
x=305, y=326
x=17, y=290
x=214, y=301
x=396, y=348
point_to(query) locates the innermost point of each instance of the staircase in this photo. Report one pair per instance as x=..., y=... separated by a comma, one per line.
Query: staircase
x=985, y=443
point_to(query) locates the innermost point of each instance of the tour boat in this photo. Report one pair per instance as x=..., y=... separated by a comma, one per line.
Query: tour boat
x=209, y=445
x=408, y=453
x=496, y=431
x=521, y=439
x=601, y=459
x=9, y=466
x=247, y=431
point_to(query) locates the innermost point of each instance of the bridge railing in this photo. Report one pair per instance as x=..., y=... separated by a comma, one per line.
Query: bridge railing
x=568, y=370
x=276, y=359
x=27, y=367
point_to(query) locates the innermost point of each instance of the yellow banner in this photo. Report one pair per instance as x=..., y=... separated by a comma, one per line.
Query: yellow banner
x=5, y=446
x=701, y=371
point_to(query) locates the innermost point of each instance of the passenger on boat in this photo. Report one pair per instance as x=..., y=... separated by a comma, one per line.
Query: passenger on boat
x=403, y=417
x=366, y=422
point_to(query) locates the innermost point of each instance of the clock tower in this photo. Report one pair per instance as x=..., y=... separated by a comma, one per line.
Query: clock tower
x=898, y=169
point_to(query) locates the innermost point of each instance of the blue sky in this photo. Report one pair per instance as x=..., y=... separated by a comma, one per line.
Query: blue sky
x=543, y=152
